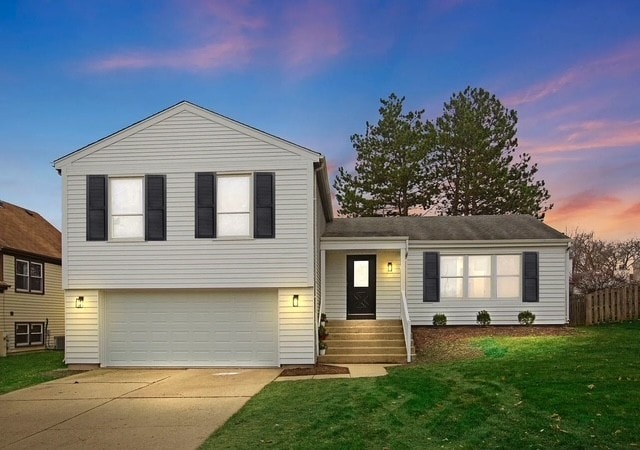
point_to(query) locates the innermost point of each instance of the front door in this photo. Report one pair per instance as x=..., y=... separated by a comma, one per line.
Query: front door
x=361, y=287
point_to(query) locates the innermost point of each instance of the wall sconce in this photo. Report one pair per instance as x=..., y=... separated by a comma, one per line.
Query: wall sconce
x=389, y=267
x=79, y=302
x=295, y=300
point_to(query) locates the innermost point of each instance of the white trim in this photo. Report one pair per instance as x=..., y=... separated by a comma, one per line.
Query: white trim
x=493, y=244
x=383, y=243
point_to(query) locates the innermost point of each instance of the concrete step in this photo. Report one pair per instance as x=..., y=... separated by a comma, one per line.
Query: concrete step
x=365, y=350
x=399, y=358
x=364, y=329
x=364, y=322
x=368, y=343
x=364, y=336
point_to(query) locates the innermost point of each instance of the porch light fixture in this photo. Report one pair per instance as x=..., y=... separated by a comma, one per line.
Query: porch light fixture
x=79, y=302
x=389, y=267
x=295, y=300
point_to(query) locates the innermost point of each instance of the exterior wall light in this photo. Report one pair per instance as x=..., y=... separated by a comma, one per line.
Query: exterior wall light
x=295, y=300
x=389, y=267
x=80, y=302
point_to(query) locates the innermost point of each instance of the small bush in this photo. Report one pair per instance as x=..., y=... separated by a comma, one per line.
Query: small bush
x=322, y=333
x=323, y=345
x=526, y=317
x=439, y=320
x=483, y=318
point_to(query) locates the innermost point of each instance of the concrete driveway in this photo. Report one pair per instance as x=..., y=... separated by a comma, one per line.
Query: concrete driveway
x=127, y=408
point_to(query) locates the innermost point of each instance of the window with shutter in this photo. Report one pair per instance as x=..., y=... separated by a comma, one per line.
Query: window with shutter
x=431, y=277
x=530, y=291
x=264, y=215
x=96, y=208
x=156, y=208
x=205, y=205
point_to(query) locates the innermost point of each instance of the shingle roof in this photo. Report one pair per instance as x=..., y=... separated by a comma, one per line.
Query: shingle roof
x=26, y=231
x=445, y=228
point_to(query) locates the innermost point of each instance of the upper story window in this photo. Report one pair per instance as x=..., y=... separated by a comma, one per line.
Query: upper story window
x=127, y=208
x=29, y=276
x=235, y=205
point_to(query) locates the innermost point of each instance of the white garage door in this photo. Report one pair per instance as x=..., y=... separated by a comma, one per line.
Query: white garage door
x=222, y=328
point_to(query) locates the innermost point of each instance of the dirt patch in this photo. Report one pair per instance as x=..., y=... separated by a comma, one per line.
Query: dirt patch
x=318, y=369
x=450, y=343
x=61, y=373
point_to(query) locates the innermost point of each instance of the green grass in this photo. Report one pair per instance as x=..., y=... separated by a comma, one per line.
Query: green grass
x=19, y=371
x=576, y=391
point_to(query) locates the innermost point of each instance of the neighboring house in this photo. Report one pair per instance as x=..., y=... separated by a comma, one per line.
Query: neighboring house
x=31, y=296
x=193, y=240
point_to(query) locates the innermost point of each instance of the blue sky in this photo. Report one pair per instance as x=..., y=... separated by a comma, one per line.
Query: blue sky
x=313, y=72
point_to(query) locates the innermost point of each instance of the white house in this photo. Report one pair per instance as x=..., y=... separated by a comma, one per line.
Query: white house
x=190, y=239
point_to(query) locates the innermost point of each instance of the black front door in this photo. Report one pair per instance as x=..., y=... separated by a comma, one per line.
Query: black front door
x=361, y=287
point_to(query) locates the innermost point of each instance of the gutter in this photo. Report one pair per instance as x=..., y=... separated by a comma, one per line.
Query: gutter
x=322, y=178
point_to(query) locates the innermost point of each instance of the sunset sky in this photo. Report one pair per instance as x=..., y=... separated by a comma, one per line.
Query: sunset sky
x=312, y=72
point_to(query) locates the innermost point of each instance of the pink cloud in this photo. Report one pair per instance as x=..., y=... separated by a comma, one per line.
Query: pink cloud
x=314, y=34
x=588, y=135
x=621, y=62
x=234, y=52
x=234, y=13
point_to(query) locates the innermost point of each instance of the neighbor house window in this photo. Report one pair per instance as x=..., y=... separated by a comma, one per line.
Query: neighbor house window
x=29, y=333
x=233, y=199
x=508, y=282
x=29, y=276
x=479, y=276
x=126, y=207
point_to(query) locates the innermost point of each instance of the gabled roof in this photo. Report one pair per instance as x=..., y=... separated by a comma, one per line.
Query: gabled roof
x=25, y=231
x=445, y=228
x=195, y=109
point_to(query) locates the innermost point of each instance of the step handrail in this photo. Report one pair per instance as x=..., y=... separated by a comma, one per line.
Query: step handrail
x=406, y=323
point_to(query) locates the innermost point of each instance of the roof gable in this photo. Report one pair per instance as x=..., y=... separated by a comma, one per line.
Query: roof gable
x=25, y=231
x=446, y=228
x=185, y=106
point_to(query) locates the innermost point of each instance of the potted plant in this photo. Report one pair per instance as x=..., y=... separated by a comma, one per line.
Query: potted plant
x=323, y=348
x=323, y=319
x=322, y=333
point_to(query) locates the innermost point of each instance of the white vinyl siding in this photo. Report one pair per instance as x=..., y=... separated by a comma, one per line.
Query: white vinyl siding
x=551, y=309
x=296, y=325
x=387, y=283
x=180, y=146
x=82, y=328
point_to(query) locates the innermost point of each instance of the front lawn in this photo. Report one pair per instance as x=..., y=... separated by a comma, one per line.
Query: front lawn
x=579, y=390
x=19, y=371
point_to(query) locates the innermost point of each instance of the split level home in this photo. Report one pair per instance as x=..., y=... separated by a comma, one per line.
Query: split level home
x=31, y=296
x=190, y=239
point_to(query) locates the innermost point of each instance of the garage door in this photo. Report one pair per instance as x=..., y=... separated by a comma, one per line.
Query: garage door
x=228, y=328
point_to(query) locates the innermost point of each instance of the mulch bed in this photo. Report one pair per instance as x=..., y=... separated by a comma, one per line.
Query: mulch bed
x=447, y=343
x=318, y=369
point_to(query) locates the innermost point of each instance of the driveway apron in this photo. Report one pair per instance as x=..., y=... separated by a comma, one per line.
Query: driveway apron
x=127, y=408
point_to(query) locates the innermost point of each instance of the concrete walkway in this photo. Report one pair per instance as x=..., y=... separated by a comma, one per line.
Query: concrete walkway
x=136, y=408
x=355, y=371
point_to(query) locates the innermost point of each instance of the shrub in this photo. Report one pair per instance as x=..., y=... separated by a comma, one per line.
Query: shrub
x=483, y=318
x=439, y=319
x=526, y=317
x=323, y=345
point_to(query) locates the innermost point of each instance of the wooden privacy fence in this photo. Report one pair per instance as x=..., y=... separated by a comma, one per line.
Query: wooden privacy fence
x=607, y=305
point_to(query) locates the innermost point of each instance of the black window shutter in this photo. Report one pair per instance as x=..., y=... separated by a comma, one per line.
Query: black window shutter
x=431, y=277
x=205, y=205
x=156, y=208
x=97, y=208
x=530, y=278
x=265, y=211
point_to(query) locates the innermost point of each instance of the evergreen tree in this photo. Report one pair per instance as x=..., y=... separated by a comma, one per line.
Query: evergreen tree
x=389, y=176
x=475, y=162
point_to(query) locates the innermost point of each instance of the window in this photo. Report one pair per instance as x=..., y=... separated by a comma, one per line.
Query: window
x=127, y=208
x=29, y=276
x=451, y=276
x=233, y=205
x=117, y=208
x=29, y=333
x=480, y=276
x=479, y=282
x=508, y=276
